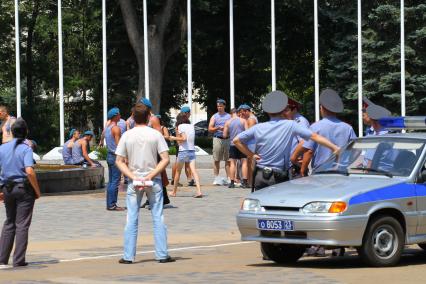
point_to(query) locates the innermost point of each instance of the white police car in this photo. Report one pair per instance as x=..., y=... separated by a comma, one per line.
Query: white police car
x=371, y=196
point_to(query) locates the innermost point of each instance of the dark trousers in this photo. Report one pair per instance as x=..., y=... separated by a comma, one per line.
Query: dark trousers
x=259, y=181
x=19, y=203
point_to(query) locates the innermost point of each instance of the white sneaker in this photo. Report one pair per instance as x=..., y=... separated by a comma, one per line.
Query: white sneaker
x=217, y=181
x=225, y=181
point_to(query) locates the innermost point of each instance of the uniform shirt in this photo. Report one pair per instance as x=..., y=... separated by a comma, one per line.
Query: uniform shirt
x=235, y=128
x=7, y=129
x=140, y=146
x=77, y=152
x=123, y=126
x=13, y=161
x=273, y=141
x=335, y=130
x=189, y=131
x=67, y=153
x=220, y=120
x=301, y=120
x=369, y=154
x=109, y=139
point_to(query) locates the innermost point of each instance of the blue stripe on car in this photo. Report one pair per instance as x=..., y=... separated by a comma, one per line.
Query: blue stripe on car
x=402, y=190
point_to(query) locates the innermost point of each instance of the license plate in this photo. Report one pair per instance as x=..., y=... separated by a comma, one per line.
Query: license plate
x=275, y=225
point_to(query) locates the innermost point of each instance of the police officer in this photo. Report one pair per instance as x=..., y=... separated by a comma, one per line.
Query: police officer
x=292, y=112
x=374, y=113
x=20, y=188
x=112, y=137
x=273, y=142
x=335, y=130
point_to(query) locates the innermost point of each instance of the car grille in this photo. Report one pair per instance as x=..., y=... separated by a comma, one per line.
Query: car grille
x=280, y=208
x=282, y=234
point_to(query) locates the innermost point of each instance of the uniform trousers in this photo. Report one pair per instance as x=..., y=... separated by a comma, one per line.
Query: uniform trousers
x=259, y=181
x=19, y=203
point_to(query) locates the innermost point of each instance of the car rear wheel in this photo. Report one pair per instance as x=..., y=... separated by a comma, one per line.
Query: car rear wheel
x=383, y=242
x=282, y=253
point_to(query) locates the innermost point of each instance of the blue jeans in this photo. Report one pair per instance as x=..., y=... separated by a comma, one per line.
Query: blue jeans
x=114, y=181
x=134, y=198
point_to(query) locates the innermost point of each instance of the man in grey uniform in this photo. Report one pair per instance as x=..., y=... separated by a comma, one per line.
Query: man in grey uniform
x=273, y=142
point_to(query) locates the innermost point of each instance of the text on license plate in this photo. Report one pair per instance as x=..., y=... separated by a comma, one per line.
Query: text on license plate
x=275, y=225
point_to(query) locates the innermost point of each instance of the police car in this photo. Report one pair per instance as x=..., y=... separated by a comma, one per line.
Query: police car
x=371, y=196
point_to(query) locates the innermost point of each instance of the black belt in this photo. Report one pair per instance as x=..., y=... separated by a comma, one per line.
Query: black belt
x=10, y=184
x=267, y=173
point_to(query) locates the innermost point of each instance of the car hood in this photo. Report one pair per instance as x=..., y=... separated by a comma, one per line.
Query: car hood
x=299, y=192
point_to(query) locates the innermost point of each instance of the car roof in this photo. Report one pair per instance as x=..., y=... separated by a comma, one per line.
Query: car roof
x=413, y=135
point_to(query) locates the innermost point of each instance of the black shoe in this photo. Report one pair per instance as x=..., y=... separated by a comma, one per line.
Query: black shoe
x=21, y=264
x=191, y=182
x=145, y=204
x=166, y=260
x=244, y=185
x=123, y=261
x=231, y=185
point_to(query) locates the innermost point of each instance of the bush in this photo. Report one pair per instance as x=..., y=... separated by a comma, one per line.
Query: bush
x=102, y=152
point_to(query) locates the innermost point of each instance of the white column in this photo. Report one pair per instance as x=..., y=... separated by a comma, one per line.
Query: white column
x=104, y=65
x=189, y=39
x=274, y=79
x=402, y=59
x=231, y=51
x=145, y=46
x=360, y=124
x=17, y=61
x=316, y=61
x=61, y=75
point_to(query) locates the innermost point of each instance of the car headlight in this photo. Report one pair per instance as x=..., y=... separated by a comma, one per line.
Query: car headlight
x=251, y=205
x=324, y=207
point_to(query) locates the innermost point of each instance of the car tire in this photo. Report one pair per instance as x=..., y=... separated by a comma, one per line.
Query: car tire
x=282, y=253
x=383, y=242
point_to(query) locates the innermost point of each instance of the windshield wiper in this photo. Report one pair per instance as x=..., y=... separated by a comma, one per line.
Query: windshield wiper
x=377, y=171
x=345, y=173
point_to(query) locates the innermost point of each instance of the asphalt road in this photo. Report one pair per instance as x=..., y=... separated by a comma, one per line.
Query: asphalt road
x=73, y=239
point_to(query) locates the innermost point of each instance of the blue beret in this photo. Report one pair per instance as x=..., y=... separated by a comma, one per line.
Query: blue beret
x=72, y=133
x=185, y=109
x=89, y=132
x=221, y=101
x=113, y=112
x=146, y=102
x=158, y=115
x=244, y=106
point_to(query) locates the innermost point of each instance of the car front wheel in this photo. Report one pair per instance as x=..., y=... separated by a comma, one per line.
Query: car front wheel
x=383, y=242
x=282, y=253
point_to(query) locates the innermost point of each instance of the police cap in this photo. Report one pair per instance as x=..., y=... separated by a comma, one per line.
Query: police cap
x=376, y=112
x=275, y=102
x=330, y=100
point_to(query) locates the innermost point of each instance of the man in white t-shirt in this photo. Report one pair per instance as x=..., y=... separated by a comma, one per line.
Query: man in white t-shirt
x=140, y=147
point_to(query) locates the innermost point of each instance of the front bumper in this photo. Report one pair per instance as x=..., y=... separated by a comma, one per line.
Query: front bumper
x=323, y=230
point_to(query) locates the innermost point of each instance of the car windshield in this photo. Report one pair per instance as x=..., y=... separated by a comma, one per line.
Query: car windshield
x=387, y=156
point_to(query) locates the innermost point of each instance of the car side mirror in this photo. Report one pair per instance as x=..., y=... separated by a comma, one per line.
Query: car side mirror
x=422, y=176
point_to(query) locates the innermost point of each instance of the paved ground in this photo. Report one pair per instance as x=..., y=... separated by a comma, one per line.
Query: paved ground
x=73, y=239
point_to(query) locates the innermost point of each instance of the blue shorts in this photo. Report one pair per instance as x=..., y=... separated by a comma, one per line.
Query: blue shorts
x=186, y=156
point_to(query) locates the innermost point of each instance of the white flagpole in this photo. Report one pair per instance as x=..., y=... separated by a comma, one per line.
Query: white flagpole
x=316, y=61
x=145, y=46
x=403, y=107
x=61, y=75
x=360, y=124
x=231, y=51
x=189, y=39
x=274, y=80
x=104, y=64
x=17, y=61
